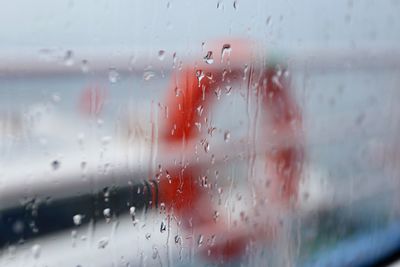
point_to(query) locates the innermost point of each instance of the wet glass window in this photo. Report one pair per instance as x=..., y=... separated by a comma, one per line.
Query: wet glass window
x=199, y=133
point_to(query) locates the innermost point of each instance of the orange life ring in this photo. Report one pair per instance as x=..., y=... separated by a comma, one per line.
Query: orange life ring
x=192, y=87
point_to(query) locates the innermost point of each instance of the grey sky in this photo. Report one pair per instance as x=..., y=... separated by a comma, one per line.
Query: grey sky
x=151, y=23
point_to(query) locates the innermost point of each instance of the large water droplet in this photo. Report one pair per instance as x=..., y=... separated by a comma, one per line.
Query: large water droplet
x=132, y=211
x=107, y=214
x=199, y=75
x=226, y=50
x=227, y=136
x=163, y=227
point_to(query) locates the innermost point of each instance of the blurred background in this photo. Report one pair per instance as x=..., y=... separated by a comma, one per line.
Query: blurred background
x=83, y=88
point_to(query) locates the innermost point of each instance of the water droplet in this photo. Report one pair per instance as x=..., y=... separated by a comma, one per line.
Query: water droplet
x=56, y=98
x=224, y=73
x=174, y=60
x=216, y=216
x=81, y=138
x=83, y=165
x=177, y=239
x=36, y=250
x=177, y=91
x=69, y=58
x=199, y=75
x=286, y=73
x=200, y=240
x=204, y=181
x=163, y=227
x=205, y=145
x=105, y=140
x=217, y=93
x=198, y=125
x=148, y=235
x=235, y=4
x=268, y=21
x=132, y=211
x=33, y=225
x=113, y=75
x=85, y=66
x=77, y=219
x=276, y=81
x=245, y=71
x=161, y=55
x=200, y=110
x=107, y=214
x=148, y=75
x=55, y=164
x=228, y=89
x=155, y=253
x=102, y=243
x=209, y=58
x=227, y=136
x=74, y=235
x=211, y=130
x=226, y=50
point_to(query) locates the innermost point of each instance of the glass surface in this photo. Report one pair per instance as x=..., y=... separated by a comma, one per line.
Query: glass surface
x=208, y=133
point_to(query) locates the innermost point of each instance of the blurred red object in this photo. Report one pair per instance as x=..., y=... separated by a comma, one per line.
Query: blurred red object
x=189, y=100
